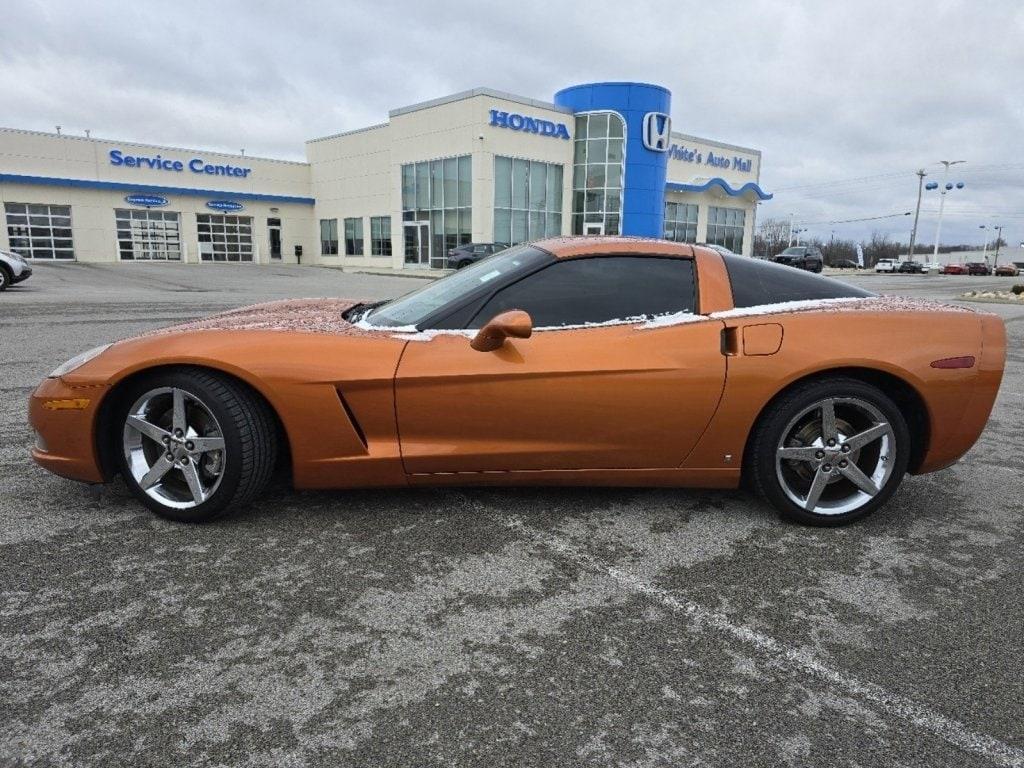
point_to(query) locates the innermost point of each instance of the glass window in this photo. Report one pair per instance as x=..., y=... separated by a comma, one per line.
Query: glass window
x=329, y=237
x=224, y=238
x=756, y=282
x=408, y=187
x=465, y=182
x=596, y=290
x=527, y=200
x=599, y=157
x=681, y=222
x=40, y=231
x=457, y=288
x=354, y=237
x=502, y=182
x=451, y=182
x=432, y=190
x=144, y=234
x=725, y=227
x=380, y=235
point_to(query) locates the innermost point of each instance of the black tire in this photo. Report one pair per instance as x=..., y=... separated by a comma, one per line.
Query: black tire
x=760, y=464
x=249, y=430
x=463, y=264
x=5, y=277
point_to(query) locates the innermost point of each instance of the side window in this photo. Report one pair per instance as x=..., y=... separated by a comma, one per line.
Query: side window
x=596, y=290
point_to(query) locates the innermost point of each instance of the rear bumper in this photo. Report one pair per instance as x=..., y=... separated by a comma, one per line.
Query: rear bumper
x=63, y=418
x=959, y=434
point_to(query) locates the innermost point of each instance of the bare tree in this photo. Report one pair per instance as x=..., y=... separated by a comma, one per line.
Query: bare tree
x=771, y=238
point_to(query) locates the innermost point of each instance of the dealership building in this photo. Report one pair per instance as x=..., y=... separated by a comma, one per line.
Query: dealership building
x=481, y=166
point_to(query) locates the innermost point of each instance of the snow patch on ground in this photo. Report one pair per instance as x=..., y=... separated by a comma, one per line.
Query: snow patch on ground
x=1003, y=296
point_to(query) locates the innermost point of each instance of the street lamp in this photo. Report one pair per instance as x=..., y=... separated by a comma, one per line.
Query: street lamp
x=946, y=187
x=984, y=243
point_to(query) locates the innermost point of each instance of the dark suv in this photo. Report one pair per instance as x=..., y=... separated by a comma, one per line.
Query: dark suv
x=464, y=255
x=913, y=267
x=978, y=268
x=802, y=257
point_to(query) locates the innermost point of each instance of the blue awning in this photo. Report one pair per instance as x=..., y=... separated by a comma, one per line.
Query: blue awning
x=750, y=186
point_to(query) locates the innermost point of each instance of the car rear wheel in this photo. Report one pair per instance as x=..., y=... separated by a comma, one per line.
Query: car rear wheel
x=830, y=452
x=194, y=444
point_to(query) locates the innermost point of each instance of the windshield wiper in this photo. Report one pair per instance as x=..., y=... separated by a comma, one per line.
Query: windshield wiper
x=357, y=312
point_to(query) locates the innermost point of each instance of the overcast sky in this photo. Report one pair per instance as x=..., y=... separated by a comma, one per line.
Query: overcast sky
x=829, y=92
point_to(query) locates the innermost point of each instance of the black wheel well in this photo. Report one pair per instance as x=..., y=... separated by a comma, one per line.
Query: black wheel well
x=901, y=392
x=105, y=436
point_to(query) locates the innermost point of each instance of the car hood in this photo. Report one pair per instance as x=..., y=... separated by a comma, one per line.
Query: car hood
x=304, y=339
x=303, y=315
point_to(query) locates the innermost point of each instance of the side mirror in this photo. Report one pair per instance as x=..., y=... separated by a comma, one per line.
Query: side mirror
x=514, y=324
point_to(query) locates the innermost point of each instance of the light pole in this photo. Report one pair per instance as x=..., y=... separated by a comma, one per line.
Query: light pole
x=999, y=236
x=984, y=242
x=946, y=186
x=790, y=242
x=917, y=211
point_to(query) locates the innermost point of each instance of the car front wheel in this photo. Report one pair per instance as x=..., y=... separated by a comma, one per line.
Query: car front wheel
x=194, y=444
x=5, y=278
x=829, y=452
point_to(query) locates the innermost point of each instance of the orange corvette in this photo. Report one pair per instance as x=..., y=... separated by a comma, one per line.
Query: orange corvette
x=587, y=361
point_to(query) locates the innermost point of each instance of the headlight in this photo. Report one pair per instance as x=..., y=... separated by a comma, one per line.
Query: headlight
x=77, y=361
x=14, y=256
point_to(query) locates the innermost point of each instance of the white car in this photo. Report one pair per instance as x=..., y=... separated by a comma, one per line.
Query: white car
x=13, y=269
x=885, y=265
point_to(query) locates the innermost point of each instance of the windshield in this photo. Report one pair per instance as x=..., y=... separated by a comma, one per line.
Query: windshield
x=413, y=308
x=794, y=251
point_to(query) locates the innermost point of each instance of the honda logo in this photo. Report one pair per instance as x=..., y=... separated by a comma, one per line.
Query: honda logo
x=657, y=130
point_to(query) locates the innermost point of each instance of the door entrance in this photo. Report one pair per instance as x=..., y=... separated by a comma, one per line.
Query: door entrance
x=417, y=243
x=274, y=230
x=592, y=228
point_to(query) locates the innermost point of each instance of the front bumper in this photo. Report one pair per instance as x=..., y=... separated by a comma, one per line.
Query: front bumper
x=26, y=273
x=64, y=420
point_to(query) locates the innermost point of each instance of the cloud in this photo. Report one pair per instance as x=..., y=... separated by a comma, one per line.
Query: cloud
x=827, y=92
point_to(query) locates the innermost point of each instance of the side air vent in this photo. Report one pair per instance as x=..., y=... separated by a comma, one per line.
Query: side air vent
x=352, y=418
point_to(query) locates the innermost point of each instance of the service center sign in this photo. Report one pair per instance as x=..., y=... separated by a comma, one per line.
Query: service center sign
x=160, y=163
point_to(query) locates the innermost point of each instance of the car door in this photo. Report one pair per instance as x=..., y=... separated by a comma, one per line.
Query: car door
x=621, y=395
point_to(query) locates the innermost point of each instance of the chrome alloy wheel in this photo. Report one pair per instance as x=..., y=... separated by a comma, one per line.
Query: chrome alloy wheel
x=835, y=455
x=174, y=447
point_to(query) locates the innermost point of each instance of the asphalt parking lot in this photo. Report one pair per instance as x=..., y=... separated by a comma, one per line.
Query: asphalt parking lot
x=524, y=627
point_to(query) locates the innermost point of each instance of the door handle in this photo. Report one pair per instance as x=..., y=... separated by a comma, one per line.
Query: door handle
x=730, y=341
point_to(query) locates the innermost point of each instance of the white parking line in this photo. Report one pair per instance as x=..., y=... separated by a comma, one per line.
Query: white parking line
x=915, y=714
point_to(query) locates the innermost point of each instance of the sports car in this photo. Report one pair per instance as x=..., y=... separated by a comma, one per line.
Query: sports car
x=573, y=361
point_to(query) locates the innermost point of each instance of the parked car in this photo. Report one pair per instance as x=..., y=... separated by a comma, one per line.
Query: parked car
x=978, y=268
x=913, y=267
x=954, y=269
x=1007, y=270
x=885, y=265
x=470, y=253
x=720, y=248
x=13, y=269
x=590, y=361
x=801, y=256
x=846, y=264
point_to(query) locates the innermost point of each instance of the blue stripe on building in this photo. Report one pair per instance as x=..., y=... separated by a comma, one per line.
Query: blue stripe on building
x=118, y=186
